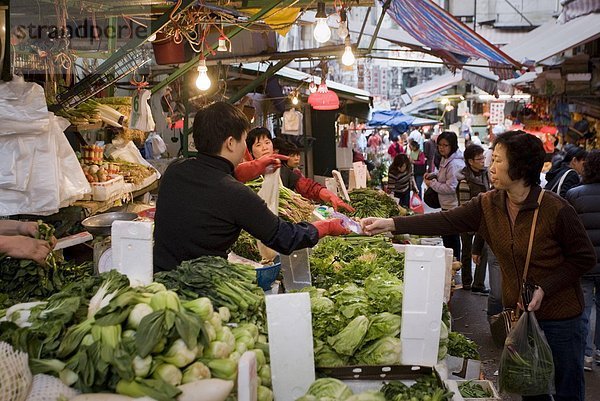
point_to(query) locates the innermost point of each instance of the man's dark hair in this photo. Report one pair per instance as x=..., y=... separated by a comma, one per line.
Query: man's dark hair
x=284, y=147
x=591, y=168
x=525, y=155
x=428, y=135
x=215, y=123
x=256, y=134
x=451, y=138
x=472, y=151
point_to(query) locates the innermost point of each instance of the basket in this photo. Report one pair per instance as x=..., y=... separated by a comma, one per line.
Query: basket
x=265, y=276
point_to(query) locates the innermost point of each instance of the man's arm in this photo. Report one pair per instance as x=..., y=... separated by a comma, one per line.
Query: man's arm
x=15, y=227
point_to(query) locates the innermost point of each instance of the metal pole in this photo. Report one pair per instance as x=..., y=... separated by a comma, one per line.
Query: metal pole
x=474, y=15
x=386, y=5
x=362, y=29
x=194, y=61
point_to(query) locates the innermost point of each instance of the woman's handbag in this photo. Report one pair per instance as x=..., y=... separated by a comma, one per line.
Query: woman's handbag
x=431, y=198
x=502, y=323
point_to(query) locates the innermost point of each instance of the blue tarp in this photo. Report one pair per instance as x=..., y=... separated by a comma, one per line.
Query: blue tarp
x=391, y=118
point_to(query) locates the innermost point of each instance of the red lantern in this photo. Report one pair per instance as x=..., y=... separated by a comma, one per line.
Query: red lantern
x=324, y=99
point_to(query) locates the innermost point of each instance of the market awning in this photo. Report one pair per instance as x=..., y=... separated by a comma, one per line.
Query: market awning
x=343, y=91
x=434, y=86
x=390, y=118
x=443, y=33
x=538, y=47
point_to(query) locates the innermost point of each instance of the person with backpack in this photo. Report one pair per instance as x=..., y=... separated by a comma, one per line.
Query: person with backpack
x=584, y=199
x=472, y=180
x=566, y=174
x=395, y=147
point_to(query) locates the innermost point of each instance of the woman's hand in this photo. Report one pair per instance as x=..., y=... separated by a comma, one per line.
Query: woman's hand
x=28, y=228
x=22, y=247
x=477, y=259
x=373, y=225
x=536, y=299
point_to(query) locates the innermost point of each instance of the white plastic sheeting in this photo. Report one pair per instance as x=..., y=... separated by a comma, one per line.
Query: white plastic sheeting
x=39, y=172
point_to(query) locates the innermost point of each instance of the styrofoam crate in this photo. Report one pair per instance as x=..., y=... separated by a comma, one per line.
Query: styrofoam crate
x=452, y=385
x=462, y=368
x=102, y=191
x=132, y=250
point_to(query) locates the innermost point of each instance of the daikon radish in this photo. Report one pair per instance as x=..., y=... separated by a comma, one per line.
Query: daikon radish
x=205, y=390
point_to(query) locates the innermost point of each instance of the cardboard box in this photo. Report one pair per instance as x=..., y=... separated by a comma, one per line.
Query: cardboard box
x=103, y=191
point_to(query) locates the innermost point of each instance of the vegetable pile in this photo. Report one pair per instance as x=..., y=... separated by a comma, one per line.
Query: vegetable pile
x=373, y=203
x=355, y=325
x=461, y=346
x=340, y=260
x=24, y=280
x=142, y=341
x=226, y=284
x=469, y=389
x=292, y=206
x=246, y=247
x=425, y=389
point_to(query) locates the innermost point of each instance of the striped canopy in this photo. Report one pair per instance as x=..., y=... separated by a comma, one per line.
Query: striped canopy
x=449, y=38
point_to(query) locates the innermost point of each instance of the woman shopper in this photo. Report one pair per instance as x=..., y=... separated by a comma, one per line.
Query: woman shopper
x=565, y=174
x=401, y=179
x=586, y=201
x=445, y=181
x=561, y=252
x=417, y=158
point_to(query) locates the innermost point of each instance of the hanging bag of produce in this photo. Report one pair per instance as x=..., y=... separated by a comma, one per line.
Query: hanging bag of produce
x=526, y=365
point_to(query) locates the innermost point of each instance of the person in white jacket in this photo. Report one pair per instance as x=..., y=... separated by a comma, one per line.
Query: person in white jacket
x=445, y=181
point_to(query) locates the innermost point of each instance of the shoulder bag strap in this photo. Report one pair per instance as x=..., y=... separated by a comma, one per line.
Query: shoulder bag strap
x=532, y=235
x=562, y=179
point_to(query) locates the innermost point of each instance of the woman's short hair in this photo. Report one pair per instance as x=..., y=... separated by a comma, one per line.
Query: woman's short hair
x=414, y=144
x=215, y=123
x=256, y=134
x=525, y=155
x=591, y=168
x=472, y=151
x=452, y=140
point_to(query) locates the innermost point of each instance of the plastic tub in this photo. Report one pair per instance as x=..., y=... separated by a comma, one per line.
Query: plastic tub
x=265, y=276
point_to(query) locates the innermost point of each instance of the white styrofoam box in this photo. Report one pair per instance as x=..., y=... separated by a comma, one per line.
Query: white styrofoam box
x=102, y=191
x=461, y=368
x=449, y=274
x=452, y=385
x=424, y=280
x=247, y=380
x=290, y=345
x=132, y=250
x=343, y=157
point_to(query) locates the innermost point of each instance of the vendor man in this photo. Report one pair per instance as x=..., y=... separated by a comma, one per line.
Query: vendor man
x=201, y=208
x=17, y=240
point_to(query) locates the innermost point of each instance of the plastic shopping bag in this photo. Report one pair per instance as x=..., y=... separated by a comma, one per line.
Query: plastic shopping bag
x=416, y=204
x=269, y=192
x=526, y=365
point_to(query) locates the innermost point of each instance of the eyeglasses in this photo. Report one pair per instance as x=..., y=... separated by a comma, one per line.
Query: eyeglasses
x=443, y=145
x=480, y=159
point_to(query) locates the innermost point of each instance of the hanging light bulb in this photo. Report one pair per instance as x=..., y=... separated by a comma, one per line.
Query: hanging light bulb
x=295, y=100
x=348, y=58
x=203, y=81
x=343, y=26
x=152, y=38
x=322, y=33
x=312, y=87
x=222, y=44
